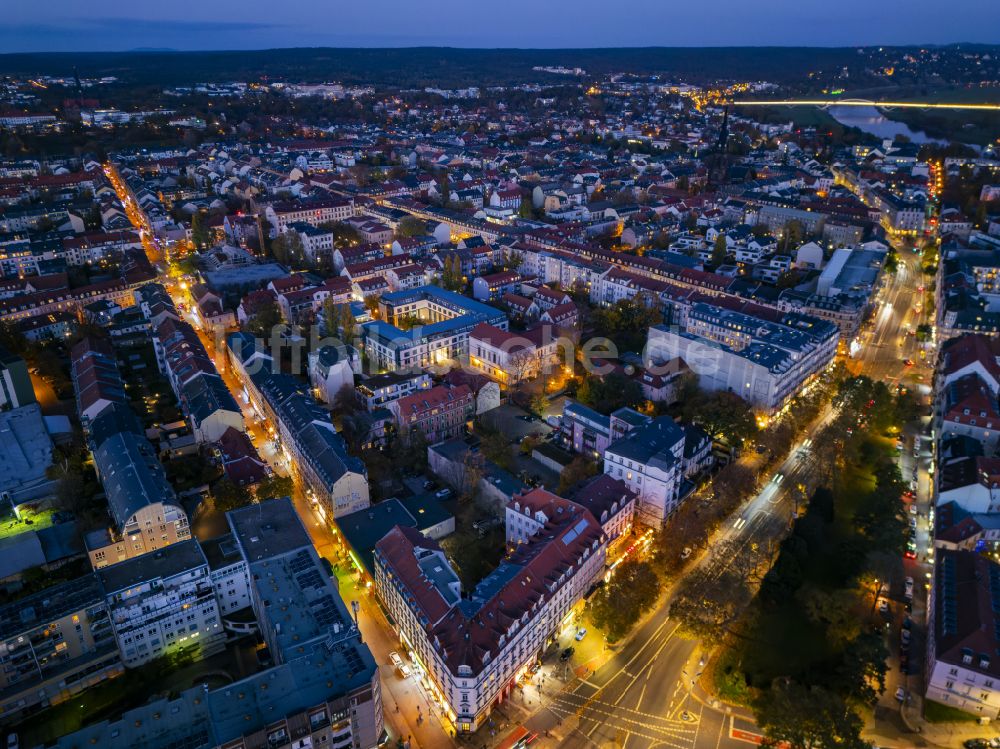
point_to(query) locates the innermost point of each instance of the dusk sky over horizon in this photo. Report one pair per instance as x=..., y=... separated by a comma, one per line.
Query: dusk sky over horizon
x=102, y=25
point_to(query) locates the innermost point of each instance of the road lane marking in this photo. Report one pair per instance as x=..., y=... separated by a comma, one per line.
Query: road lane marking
x=664, y=740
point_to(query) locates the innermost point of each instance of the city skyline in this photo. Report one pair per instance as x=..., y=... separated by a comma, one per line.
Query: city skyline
x=63, y=26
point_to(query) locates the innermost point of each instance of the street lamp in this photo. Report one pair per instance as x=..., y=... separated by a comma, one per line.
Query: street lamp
x=355, y=607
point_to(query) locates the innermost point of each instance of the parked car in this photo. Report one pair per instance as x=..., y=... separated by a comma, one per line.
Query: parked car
x=580, y=634
x=567, y=654
x=883, y=606
x=443, y=493
x=399, y=663
x=901, y=694
x=908, y=587
x=429, y=484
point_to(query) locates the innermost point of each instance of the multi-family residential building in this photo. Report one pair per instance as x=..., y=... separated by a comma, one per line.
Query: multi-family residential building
x=299, y=611
x=439, y=413
x=283, y=214
x=611, y=502
x=203, y=396
x=764, y=361
x=971, y=482
x=145, y=514
x=53, y=645
x=332, y=368
x=494, y=285
x=162, y=603
x=323, y=689
x=510, y=358
x=963, y=633
x=447, y=319
x=650, y=461
x=230, y=576
x=378, y=391
x=588, y=432
x=338, y=481
x=967, y=407
x=474, y=646
x=317, y=243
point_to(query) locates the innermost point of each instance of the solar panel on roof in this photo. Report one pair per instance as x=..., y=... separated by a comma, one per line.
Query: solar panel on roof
x=310, y=579
x=300, y=562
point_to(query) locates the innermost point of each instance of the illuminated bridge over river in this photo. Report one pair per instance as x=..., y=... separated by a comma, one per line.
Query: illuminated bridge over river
x=826, y=103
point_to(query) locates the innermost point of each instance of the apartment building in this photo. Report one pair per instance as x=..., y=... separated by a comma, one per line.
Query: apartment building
x=323, y=689
x=963, y=634
x=283, y=214
x=143, y=510
x=474, y=646
x=439, y=413
x=590, y=433
x=299, y=609
x=510, y=358
x=650, y=461
x=53, y=645
x=446, y=318
x=764, y=361
x=337, y=480
x=163, y=603
x=378, y=391
x=203, y=396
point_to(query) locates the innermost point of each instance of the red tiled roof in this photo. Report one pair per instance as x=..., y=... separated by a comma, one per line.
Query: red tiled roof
x=539, y=566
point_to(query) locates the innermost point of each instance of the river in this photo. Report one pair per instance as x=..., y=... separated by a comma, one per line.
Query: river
x=871, y=121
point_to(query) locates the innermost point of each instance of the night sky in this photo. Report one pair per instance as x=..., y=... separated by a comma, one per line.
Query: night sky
x=114, y=25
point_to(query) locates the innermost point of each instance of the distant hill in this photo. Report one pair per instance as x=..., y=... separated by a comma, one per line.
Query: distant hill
x=422, y=66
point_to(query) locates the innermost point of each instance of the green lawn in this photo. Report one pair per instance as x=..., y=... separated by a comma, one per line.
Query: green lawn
x=935, y=712
x=30, y=521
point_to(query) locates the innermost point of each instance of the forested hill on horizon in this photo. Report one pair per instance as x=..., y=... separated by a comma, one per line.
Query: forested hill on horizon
x=446, y=66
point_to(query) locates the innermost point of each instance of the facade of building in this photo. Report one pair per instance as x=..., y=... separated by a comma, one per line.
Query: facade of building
x=338, y=481
x=963, y=634
x=299, y=609
x=650, y=461
x=283, y=214
x=763, y=361
x=474, y=647
x=163, y=603
x=439, y=413
x=443, y=337
x=53, y=645
x=332, y=368
x=378, y=391
x=322, y=691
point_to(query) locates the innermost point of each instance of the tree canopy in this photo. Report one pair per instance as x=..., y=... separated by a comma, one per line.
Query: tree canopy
x=631, y=592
